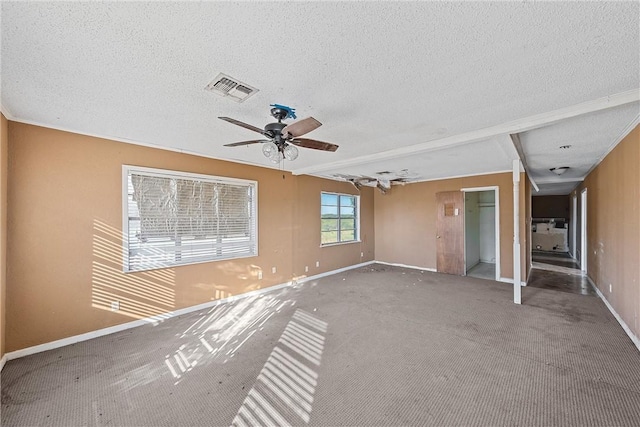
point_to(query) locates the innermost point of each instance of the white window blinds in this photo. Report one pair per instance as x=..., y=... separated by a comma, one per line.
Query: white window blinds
x=174, y=218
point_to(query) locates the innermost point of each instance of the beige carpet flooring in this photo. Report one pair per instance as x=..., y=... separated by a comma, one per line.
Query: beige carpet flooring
x=378, y=345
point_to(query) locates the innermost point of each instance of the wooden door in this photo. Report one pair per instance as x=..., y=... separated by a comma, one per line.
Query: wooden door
x=450, y=233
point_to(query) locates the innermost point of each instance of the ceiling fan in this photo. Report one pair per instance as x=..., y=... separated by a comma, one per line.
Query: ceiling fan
x=382, y=181
x=283, y=138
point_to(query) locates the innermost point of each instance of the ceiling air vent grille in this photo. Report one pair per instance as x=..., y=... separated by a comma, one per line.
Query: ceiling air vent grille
x=231, y=88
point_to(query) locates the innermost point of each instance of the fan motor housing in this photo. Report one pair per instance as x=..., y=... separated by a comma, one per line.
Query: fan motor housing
x=275, y=129
x=280, y=113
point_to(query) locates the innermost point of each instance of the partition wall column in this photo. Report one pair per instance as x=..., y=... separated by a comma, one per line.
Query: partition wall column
x=516, y=232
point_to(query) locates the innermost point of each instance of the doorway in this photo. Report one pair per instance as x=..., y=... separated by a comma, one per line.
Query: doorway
x=482, y=233
x=554, y=230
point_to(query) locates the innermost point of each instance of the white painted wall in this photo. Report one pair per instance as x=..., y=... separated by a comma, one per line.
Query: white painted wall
x=487, y=226
x=487, y=234
x=471, y=229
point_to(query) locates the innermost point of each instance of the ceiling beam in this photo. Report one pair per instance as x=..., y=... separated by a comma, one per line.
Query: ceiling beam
x=555, y=181
x=515, y=138
x=513, y=127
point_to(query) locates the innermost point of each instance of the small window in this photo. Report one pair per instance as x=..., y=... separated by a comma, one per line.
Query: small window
x=339, y=218
x=176, y=218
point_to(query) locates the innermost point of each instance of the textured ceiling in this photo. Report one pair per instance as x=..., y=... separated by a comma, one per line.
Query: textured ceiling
x=584, y=135
x=431, y=87
x=474, y=158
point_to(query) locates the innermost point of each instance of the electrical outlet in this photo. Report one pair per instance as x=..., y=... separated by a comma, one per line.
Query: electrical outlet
x=317, y=263
x=273, y=270
x=259, y=274
x=361, y=254
x=115, y=305
x=306, y=268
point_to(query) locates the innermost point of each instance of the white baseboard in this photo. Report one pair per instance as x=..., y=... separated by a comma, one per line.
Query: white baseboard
x=626, y=328
x=510, y=280
x=433, y=270
x=134, y=324
x=415, y=267
x=156, y=319
x=329, y=273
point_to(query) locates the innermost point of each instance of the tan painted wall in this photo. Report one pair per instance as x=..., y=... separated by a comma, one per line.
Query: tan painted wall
x=307, y=239
x=405, y=220
x=613, y=228
x=4, y=145
x=64, y=225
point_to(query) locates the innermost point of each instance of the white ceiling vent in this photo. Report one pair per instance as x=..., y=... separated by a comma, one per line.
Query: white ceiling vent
x=232, y=88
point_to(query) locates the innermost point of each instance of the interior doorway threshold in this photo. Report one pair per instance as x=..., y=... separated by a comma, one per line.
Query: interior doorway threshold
x=557, y=268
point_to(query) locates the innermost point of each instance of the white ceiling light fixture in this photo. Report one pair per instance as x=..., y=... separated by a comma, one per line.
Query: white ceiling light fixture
x=276, y=152
x=290, y=152
x=271, y=151
x=560, y=170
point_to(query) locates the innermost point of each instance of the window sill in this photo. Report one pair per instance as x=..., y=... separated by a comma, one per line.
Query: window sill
x=327, y=245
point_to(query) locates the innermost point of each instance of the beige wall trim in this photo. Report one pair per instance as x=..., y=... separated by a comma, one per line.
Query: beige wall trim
x=415, y=267
x=159, y=318
x=635, y=339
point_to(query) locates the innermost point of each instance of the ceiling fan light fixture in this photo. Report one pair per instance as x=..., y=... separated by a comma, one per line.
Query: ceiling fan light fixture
x=269, y=149
x=560, y=170
x=277, y=157
x=290, y=152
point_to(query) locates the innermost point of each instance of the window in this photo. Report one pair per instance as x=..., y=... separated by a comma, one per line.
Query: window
x=339, y=218
x=176, y=218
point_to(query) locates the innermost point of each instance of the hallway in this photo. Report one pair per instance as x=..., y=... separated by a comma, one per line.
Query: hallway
x=558, y=272
x=561, y=259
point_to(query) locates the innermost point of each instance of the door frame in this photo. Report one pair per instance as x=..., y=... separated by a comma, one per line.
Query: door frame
x=583, y=230
x=496, y=189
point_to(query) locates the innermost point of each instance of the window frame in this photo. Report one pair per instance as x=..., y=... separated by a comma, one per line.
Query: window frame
x=168, y=173
x=356, y=224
